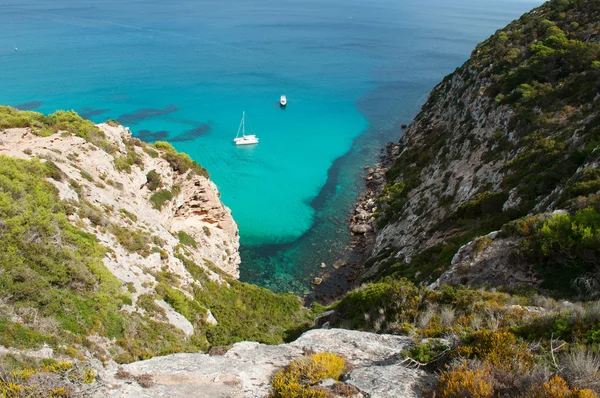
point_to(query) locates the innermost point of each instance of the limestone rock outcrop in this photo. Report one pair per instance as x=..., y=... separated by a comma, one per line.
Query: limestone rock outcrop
x=247, y=368
x=114, y=202
x=489, y=261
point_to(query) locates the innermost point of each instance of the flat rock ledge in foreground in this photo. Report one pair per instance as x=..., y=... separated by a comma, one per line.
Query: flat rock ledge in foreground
x=247, y=368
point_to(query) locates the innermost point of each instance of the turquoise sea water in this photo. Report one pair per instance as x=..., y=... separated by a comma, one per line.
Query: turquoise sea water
x=183, y=71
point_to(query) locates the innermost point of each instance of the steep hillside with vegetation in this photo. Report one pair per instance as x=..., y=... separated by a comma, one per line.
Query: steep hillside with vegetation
x=495, y=187
x=511, y=133
x=113, y=249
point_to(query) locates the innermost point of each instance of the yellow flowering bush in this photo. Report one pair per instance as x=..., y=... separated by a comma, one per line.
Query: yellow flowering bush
x=558, y=388
x=298, y=378
x=461, y=381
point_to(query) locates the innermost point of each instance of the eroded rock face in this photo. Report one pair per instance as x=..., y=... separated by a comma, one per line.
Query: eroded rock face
x=114, y=203
x=453, y=177
x=247, y=368
x=491, y=261
x=472, y=159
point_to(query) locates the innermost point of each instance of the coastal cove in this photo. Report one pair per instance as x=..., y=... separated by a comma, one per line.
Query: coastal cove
x=184, y=72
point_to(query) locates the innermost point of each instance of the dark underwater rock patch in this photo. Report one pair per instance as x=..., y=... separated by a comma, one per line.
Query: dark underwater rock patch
x=151, y=136
x=27, y=106
x=194, y=123
x=192, y=134
x=146, y=113
x=88, y=112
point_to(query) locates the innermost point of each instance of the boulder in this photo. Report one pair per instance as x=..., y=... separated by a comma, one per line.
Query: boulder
x=361, y=228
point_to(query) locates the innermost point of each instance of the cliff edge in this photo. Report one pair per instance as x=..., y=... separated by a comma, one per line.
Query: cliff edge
x=115, y=249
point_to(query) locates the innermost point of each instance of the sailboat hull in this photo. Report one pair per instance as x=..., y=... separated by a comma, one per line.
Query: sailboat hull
x=246, y=140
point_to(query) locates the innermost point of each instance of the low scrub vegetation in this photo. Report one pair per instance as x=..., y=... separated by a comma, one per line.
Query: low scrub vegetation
x=494, y=343
x=46, y=378
x=179, y=161
x=153, y=180
x=186, y=239
x=299, y=377
x=159, y=198
x=134, y=241
x=53, y=279
x=247, y=312
x=47, y=264
x=565, y=248
x=66, y=121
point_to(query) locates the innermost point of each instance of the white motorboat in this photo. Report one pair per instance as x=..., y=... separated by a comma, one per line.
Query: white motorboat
x=283, y=101
x=244, y=139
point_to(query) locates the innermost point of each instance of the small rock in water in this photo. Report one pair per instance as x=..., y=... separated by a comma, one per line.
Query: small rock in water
x=361, y=228
x=323, y=265
x=317, y=281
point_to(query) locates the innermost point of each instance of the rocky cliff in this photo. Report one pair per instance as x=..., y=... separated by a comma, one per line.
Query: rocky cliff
x=482, y=224
x=512, y=132
x=114, y=249
x=124, y=196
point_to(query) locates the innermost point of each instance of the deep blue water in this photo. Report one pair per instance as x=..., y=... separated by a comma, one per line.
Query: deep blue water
x=183, y=71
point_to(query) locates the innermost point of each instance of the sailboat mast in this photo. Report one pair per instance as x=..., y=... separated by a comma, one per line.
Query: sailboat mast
x=243, y=123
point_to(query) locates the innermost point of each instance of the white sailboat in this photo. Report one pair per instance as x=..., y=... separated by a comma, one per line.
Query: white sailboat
x=244, y=139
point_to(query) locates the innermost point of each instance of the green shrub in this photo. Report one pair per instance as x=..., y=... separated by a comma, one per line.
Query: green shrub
x=122, y=164
x=160, y=197
x=186, y=239
x=11, y=118
x=153, y=180
x=133, y=241
x=392, y=300
x=151, y=152
x=564, y=248
x=86, y=175
x=485, y=203
x=179, y=162
x=95, y=215
x=247, y=312
x=53, y=171
x=425, y=352
x=128, y=214
x=18, y=336
x=177, y=300
x=66, y=121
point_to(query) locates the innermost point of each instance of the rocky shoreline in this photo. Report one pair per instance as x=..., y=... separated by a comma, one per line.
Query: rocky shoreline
x=363, y=224
x=346, y=274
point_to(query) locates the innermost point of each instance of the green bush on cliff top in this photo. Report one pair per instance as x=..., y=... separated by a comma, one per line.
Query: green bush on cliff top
x=179, y=161
x=68, y=121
